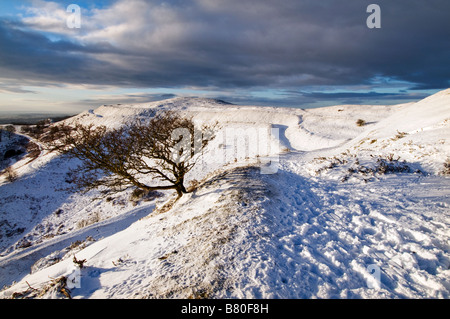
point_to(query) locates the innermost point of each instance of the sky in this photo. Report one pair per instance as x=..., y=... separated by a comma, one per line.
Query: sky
x=295, y=53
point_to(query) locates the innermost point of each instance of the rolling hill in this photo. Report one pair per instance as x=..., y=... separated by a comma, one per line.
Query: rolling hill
x=289, y=203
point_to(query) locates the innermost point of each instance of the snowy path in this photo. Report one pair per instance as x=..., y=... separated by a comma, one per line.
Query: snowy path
x=330, y=234
x=20, y=261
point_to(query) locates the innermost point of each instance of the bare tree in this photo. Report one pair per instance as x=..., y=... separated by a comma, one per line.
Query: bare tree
x=165, y=148
x=360, y=122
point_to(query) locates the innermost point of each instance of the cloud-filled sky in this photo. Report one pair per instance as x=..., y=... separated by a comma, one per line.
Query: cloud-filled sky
x=299, y=53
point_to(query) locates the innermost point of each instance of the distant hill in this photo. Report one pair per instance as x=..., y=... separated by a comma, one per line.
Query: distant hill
x=30, y=118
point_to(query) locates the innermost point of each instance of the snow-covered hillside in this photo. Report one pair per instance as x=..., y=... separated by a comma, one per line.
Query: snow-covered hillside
x=345, y=211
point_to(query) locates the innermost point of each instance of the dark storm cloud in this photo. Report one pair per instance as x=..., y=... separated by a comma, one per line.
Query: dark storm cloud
x=352, y=95
x=29, y=55
x=247, y=43
x=130, y=98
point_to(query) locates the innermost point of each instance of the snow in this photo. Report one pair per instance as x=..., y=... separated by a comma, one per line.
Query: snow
x=349, y=211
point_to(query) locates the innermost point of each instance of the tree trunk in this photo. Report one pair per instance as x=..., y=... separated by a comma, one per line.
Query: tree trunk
x=180, y=188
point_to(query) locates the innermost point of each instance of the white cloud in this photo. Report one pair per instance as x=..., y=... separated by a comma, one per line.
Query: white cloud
x=130, y=25
x=46, y=16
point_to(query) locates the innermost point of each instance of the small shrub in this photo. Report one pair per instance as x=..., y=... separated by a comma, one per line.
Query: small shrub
x=33, y=150
x=165, y=207
x=391, y=166
x=95, y=218
x=399, y=135
x=390, y=157
x=360, y=122
x=57, y=288
x=78, y=263
x=23, y=243
x=11, y=174
x=58, y=212
x=446, y=169
x=139, y=194
x=193, y=185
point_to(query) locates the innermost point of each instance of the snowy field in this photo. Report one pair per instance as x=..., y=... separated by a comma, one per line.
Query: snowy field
x=322, y=208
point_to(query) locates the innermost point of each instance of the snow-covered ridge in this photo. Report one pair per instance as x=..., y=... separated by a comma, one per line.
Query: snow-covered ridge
x=303, y=232
x=305, y=129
